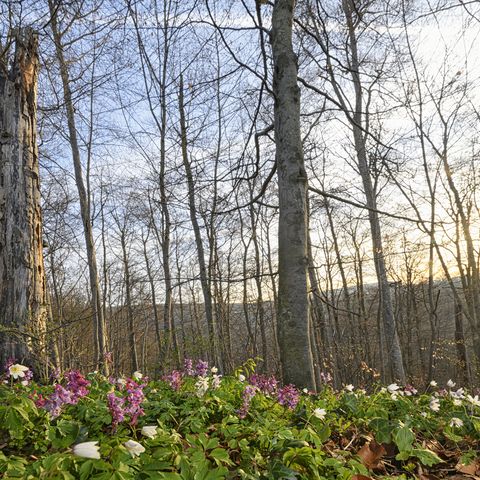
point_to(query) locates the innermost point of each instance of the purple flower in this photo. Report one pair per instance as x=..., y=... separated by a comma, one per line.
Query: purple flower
x=61, y=396
x=288, y=396
x=201, y=368
x=115, y=405
x=10, y=361
x=134, y=399
x=325, y=377
x=77, y=384
x=267, y=385
x=188, y=367
x=76, y=388
x=248, y=393
x=174, y=379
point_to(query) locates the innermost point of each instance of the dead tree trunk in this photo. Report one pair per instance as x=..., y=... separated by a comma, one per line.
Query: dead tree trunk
x=293, y=306
x=23, y=291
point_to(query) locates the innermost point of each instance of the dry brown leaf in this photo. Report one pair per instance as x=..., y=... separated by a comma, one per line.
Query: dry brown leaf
x=361, y=477
x=470, y=469
x=371, y=453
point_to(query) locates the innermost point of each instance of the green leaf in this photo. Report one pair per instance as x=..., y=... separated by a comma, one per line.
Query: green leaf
x=85, y=470
x=220, y=455
x=382, y=429
x=426, y=457
x=404, y=438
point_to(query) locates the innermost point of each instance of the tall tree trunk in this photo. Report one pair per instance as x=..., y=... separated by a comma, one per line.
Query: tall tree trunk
x=394, y=351
x=23, y=291
x=207, y=295
x=293, y=308
x=99, y=331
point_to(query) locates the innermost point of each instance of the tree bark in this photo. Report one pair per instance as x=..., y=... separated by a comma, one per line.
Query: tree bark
x=293, y=306
x=24, y=308
x=98, y=321
x=204, y=281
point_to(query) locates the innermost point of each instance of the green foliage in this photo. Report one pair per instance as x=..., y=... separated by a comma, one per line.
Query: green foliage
x=204, y=438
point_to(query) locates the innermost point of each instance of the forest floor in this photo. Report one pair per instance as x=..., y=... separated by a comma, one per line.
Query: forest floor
x=197, y=425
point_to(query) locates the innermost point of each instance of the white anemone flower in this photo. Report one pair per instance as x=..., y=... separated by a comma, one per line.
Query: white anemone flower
x=134, y=448
x=450, y=383
x=87, y=450
x=393, y=387
x=435, y=404
x=433, y=383
x=214, y=370
x=137, y=375
x=456, y=422
x=349, y=387
x=320, y=413
x=149, y=431
x=241, y=378
x=17, y=370
x=475, y=401
x=457, y=402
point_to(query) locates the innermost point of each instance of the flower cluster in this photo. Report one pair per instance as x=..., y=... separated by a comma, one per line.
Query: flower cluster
x=201, y=368
x=174, y=379
x=267, y=385
x=248, y=393
x=76, y=388
x=77, y=384
x=128, y=405
x=115, y=405
x=288, y=396
x=201, y=386
x=188, y=367
x=326, y=377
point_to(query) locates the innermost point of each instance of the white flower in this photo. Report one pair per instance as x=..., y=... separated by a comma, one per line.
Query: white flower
x=216, y=380
x=433, y=383
x=17, y=370
x=349, y=388
x=305, y=390
x=435, y=404
x=121, y=381
x=424, y=414
x=458, y=394
x=456, y=422
x=457, y=402
x=86, y=450
x=134, y=448
x=394, y=396
x=137, y=375
x=474, y=400
x=241, y=378
x=24, y=382
x=149, y=431
x=201, y=386
x=393, y=387
x=214, y=370
x=450, y=383
x=320, y=413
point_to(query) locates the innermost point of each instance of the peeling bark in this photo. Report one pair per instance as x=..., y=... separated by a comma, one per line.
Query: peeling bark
x=23, y=291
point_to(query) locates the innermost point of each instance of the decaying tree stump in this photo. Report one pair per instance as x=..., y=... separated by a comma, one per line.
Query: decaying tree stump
x=23, y=289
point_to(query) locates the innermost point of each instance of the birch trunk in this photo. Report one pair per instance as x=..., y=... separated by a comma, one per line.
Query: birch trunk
x=23, y=291
x=293, y=306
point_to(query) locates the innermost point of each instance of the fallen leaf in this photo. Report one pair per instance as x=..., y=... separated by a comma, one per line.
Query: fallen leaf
x=470, y=469
x=361, y=477
x=371, y=453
